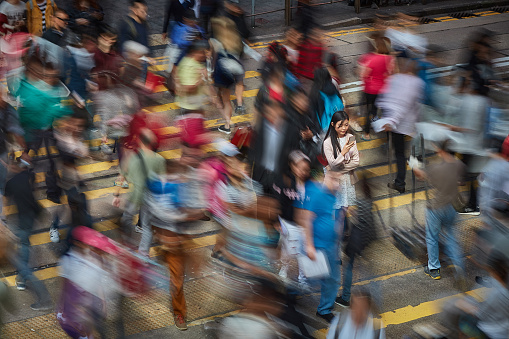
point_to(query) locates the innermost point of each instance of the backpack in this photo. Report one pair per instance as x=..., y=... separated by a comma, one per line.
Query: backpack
x=331, y=105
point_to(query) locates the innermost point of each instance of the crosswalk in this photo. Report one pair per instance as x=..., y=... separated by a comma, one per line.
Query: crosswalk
x=379, y=170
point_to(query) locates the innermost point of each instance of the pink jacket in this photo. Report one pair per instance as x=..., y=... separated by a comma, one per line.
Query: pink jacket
x=339, y=165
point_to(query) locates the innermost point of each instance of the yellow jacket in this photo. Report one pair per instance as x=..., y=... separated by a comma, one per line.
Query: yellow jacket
x=34, y=16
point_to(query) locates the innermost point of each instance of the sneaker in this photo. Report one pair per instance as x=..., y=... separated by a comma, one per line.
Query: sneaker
x=470, y=211
x=180, y=323
x=224, y=129
x=327, y=317
x=354, y=125
x=240, y=110
x=434, y=274
x=342, y=302
x=54, y=235
x=400, y=189
x=106, y=149
x=20, y=284
x=42, y=306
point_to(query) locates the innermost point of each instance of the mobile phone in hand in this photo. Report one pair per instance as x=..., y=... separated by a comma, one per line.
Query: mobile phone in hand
x=352, y=139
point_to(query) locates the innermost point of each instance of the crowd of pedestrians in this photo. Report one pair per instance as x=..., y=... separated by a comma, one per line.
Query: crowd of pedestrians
x=287, y=192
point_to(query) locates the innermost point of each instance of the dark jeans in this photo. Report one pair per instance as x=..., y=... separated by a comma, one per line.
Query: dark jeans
x=398, y=142
x=21, y=262
x=45, y=139
x=472, y=177
x=371, y=110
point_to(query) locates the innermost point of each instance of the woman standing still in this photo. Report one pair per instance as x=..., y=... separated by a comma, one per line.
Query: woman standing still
x=374, y=68
x=340, y=150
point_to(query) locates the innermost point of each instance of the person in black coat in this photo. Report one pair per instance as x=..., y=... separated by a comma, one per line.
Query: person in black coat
x=273, y=140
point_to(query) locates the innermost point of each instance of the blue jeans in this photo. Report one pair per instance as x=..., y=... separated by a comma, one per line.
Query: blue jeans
x=21, y=262
x=330, y=285
x=436, y=221
x=347, y=279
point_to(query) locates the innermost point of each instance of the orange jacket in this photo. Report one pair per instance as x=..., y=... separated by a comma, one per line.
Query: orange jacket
x=34, y=16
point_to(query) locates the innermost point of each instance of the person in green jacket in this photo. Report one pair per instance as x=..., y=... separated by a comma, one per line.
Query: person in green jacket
x=40, y=98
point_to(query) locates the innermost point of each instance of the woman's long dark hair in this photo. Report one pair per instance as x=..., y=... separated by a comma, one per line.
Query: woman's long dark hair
x=322, y=82
x=331, y=132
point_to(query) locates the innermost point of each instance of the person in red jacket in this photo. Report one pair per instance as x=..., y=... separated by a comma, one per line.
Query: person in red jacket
x=311, y=52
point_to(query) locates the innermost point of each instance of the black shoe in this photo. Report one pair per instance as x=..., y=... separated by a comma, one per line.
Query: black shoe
x=434, y=274
x=225, y=130
x=342, y=302
x=327, y=317
x=470, y=211
x=400, y=189
x=42, y=306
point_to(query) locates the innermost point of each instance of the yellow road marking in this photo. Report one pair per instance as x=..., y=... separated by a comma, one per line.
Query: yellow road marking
x=410, y=313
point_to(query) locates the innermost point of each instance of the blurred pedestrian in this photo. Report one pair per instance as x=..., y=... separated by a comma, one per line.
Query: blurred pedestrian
x=86, y=17
x=135, y=27
x=174, y=14
x=374, y=69
x=56, y=34
x=358, y=321
x=311, y=53
x=39, y=14
x=140, y=166
x=15, y=11
x=400, y=113
x=20, y=187
x=72, y=148
x=273, y=140
x=324, y=100
x=9, y=127
x=89, y=282
x=317, y=217
x=228, y=69
x=361, y=233
x=191, y=79
x=40, y=94
x=443, y=177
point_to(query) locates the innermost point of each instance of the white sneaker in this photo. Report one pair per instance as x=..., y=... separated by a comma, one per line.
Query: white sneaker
x=355, y=126
x=54, y=235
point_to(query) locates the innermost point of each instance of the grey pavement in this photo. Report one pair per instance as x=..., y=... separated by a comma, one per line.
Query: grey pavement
x=331, y=15
x=399, y=291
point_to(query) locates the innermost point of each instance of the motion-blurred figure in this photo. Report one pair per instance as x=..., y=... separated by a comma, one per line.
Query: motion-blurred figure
x=88, y=283
x=400, y=113
x=443, y=177
x=358, y=321
x=39, y=14
x=19, y=187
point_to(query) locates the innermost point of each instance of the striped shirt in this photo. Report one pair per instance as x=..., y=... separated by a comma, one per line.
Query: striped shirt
x=42, y=7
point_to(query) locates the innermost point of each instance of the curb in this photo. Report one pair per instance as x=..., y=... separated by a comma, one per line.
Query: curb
x=420, y=13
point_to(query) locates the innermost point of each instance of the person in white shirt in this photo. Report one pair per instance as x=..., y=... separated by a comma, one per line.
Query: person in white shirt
x=401, y=105
x=357, y=322
x=15, y=11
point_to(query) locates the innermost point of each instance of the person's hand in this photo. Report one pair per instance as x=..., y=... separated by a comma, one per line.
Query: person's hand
x=311, y=252
x=387, y=128
x=82, y=21
x=165, y=36
x=307, y=134
x=347, y=148
x=116, y=202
